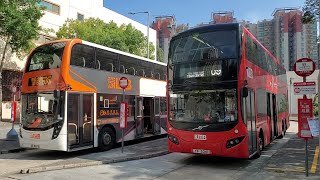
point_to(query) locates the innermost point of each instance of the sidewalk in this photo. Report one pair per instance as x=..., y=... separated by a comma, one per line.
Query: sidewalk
x=43, y=160
x=290, y=159
x=7, y=146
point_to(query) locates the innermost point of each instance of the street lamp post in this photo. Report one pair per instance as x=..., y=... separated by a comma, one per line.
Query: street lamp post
x=145, y=12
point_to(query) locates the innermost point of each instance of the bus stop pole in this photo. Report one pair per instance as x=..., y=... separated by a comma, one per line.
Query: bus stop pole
x=122, y=130
x=306, y=141
x=12, y=134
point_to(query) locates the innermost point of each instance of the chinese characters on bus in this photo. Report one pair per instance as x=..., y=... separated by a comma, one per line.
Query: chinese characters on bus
x=113, y=83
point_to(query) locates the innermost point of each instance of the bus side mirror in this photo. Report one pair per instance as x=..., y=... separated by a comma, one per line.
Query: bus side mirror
x=56, y=94
x=244, y=92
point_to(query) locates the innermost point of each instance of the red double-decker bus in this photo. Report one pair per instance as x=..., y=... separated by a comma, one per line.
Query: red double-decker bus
x=227, y=94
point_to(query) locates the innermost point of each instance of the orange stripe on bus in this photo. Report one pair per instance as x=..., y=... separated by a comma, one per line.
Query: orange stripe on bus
x=94, y=87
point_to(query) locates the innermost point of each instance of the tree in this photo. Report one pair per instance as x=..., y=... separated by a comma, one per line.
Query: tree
x=18, y=27
x=160, y=54
x=311, y=11
x=316, y=105
x=125, y=38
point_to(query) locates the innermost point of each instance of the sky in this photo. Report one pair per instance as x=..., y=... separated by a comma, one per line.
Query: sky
x=194, y=12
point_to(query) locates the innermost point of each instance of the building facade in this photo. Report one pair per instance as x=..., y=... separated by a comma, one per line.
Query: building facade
x=166, y=28
x=287, y=38
x=58, y=11
x=220, y=17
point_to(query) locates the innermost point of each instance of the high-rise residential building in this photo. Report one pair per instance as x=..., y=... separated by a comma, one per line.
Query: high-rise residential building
x=253, y=28
x=166, y=28
x=181, y=27
x=219, y=17
x=286, y=37
x=292, y=39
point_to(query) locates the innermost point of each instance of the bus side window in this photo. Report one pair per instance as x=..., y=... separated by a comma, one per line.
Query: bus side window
x=122, y=69
x=106, y=60
x=83, y=56
x=98, y=64
x=141, y=72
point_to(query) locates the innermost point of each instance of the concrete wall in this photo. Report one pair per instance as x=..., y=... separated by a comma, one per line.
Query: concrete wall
x=293, y=99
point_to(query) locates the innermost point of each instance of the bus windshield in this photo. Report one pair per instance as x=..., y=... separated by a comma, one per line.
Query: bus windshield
x=39, y=110
x=47, y=56
x=204, y=46
x=207, y=106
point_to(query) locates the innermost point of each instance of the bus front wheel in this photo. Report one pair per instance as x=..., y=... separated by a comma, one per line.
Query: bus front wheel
x=106, y=139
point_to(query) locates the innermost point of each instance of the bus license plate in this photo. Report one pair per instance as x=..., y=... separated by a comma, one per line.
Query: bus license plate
x=35, y=136
x=34, y=146
x=201, y=151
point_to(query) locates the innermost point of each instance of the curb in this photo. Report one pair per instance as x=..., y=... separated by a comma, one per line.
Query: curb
x=91, y=163
x=12, y=150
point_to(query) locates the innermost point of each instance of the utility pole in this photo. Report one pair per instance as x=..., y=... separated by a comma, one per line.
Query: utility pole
x=148, y=18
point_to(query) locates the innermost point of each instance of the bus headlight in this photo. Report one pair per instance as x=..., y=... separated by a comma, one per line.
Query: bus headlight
x=234, y=142
x=173, y=139
x=56, y=129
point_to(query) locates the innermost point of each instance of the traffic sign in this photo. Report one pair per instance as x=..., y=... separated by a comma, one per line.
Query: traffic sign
x=301, y=88
x=305, y=111
x=14, y=89
x=304, y=67
x=123, y=115
x=123, y=82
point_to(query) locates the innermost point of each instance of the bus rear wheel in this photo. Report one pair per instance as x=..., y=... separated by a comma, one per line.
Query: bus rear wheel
x=106, y=139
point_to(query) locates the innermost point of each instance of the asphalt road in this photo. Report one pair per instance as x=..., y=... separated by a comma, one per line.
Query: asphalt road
x=176, y=166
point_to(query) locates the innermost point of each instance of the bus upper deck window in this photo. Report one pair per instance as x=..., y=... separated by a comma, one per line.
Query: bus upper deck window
x=122, y=69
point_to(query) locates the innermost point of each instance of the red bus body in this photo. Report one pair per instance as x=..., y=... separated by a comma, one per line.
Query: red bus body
x=262, y=116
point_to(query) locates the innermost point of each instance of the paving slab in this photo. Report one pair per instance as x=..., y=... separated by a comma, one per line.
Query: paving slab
x=32, y=161
x=291, y=158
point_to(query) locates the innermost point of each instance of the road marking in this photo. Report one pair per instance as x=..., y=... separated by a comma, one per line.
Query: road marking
x=282, y=170
x=315, y=161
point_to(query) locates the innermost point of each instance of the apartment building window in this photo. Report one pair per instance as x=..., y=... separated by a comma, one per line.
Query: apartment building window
x=80, y=17
x=50, y=7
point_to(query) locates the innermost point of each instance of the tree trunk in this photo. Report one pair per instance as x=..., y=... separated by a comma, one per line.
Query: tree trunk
x=1, y=66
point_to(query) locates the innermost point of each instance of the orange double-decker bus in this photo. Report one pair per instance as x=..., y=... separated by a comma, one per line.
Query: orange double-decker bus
x=71, y=96
x=227, y=94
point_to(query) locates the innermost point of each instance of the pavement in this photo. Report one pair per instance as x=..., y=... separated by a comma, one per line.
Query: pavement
x=37, y=160
x=8, y=146
x=291, y=157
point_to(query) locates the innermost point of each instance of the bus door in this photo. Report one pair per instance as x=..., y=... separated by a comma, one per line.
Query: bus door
x=157, y=118
x=251, y=122
x=274, y=115
x=139, y=117
x=270, y=113
x=80, y=120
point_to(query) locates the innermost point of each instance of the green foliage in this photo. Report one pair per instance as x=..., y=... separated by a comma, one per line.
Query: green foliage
x=160, y=54
x=125, y=38
x=19, y=24
x=311, y=11
x=316, y=105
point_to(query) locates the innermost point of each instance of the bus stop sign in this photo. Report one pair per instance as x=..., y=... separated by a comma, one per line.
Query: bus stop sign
x=304, y=67
x=123, y=82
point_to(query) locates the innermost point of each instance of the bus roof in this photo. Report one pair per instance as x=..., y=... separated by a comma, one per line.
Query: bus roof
x=217, y=27
x=108, y=49
x=122, y=52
